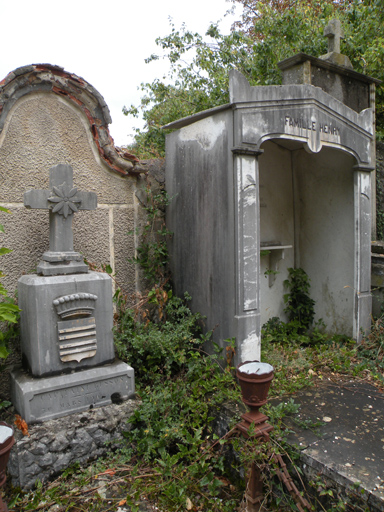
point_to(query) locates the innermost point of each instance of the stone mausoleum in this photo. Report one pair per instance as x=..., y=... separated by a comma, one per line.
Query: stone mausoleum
x=279, y=177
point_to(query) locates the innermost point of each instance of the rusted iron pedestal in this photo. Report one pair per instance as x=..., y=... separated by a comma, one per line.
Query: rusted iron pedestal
x=5, y=450
x=255, y=379
x=254, y=495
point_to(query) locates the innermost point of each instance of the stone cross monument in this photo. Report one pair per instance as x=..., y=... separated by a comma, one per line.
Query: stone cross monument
x=334, y=32
x=66, y=320
x=62, y=200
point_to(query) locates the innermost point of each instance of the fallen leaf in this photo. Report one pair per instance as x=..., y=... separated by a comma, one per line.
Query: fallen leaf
x=110, y=472
x=121, y=503
x=188, y=504
x=21, y=425
x=224, y=481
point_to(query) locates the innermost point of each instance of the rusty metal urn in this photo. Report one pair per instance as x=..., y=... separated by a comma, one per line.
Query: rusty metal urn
x=6, y=442
x=255, y=379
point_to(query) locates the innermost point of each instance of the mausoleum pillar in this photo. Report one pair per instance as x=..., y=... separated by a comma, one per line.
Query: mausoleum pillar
x=363, y=297
x=247, y=226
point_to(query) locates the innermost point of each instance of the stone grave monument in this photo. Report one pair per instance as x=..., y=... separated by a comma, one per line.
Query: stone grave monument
x=280, y=177
x=66, y=319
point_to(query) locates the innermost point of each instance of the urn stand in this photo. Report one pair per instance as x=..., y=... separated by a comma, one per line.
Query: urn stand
x=255, y=379
x=6, y=442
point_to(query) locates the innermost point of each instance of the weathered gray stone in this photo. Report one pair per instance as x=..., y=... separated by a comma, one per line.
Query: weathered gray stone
x=47, y=460
x=31, y=471
x=74, y=442
x=39, y=449
x=62, y=200
x=98, y=435
x=59, y=444
x=91, y=429
x=28, y=457
x=62, y=462
x=39, y=399
x=82, y=443
x=341, y=82
x=66, y=322
x=334, y=32
x=44, y=324
x=284, y=170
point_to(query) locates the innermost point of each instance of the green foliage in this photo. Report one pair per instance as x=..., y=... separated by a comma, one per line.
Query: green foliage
x=268, y=32
x=4, y=404
x=160, y=349
x=9, y=312
x=181, y=387
x=152, y=251
x=298, y=359
x=171, y=455
x=293, y=332
x=371, y=348
x=300, y=307
x=177, y=417
x=192, y=85
x=380, y=196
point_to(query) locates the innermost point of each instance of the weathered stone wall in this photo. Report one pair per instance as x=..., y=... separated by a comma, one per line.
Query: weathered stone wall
x=44, y=120
x=54, y=445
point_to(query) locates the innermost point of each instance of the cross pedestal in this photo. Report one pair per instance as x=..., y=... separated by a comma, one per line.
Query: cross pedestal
x=62, y=200
x=66, y=319
x=334, y=32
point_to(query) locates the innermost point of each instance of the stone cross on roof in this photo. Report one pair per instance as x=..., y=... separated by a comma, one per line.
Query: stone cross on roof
x=62, y=200
x=334, y=32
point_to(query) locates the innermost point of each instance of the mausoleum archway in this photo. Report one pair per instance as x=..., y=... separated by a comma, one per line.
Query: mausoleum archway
x=280, y=177
x=307, y=221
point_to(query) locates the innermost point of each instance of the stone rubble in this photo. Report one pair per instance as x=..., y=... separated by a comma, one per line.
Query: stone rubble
x=54, y=445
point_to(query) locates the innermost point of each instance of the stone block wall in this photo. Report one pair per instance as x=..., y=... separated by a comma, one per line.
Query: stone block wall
x=54, y=445
x=47, y=117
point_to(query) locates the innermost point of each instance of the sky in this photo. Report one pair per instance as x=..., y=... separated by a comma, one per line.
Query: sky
x=103, y=41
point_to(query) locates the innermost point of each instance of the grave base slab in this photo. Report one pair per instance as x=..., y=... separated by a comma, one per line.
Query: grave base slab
x=42, y=399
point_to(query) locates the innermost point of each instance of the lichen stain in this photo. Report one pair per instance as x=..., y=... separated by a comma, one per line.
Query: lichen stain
x=205, y=132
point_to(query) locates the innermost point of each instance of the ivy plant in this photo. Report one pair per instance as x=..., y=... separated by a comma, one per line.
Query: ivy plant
x=300, y=307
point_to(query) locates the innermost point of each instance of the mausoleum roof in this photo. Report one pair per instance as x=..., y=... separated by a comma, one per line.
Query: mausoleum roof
x=51, y=78
x=300, y=57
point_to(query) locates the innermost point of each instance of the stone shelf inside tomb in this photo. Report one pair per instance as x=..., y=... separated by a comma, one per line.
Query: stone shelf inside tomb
x=276, y=252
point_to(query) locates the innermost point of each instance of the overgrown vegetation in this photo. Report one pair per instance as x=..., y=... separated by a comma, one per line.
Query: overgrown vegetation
x=152, y=253
x=9, y=311
x=9, y=314
x=268, y=32
x=300, y=308
x=172, y=456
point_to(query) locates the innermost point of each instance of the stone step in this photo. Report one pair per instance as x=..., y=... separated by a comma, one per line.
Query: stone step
x=338, y=435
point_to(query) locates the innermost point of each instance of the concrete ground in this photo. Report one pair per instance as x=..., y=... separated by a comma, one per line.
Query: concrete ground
x=339, y=430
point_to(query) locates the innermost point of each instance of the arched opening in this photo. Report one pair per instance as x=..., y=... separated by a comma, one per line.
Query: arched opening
x=307, y=221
